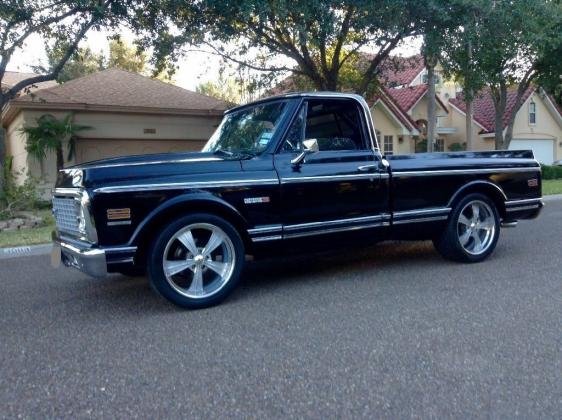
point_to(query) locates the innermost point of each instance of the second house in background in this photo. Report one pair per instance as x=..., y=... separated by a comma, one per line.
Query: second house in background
x=400, y=110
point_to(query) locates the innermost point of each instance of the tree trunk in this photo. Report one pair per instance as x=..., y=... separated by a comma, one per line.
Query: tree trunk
x=431, y=105
x=498, y=134
x=469, y=112
x=60, y=157
x=2, y=162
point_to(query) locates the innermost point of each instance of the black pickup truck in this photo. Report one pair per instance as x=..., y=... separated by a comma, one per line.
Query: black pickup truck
x=298, y=171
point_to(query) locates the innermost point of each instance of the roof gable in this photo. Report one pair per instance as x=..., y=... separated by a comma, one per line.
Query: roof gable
x=401, y=71
x=120, y=88
x=483, y=107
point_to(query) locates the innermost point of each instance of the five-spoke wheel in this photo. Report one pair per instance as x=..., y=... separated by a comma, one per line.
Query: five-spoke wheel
x=476, y=227
x=196, y=261
x=472, y=230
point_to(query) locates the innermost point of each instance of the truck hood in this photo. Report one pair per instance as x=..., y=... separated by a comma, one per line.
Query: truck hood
x=147, y=169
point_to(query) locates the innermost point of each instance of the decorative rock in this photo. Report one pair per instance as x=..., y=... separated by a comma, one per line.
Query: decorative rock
x=3, y=224
x=16, y=223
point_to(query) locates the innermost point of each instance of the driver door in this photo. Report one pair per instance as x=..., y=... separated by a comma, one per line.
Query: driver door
x=337, y=188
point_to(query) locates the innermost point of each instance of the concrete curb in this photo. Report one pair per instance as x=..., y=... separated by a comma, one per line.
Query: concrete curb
x=553, y=197
x=25, y=251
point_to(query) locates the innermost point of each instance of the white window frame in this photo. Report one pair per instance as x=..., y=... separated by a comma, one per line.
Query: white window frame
x=388, y=140
x=533, y=112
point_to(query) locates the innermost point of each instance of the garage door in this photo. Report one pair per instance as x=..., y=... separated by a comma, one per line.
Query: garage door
x=543, y=149
x=93, y=149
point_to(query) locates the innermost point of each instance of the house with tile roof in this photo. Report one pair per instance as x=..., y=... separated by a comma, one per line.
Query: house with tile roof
x=537, y=126
x=403, y=82
x=538, y=121
x=127, y=114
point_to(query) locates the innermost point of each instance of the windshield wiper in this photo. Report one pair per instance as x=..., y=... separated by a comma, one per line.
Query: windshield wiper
x=235, y=155
x=223, y=153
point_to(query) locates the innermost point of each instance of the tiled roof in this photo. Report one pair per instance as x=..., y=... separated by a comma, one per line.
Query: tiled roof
x=395, y=108
x=400, y=71
x=483, y=107
x=123, y=89
x=10, y=78
x=408, y=96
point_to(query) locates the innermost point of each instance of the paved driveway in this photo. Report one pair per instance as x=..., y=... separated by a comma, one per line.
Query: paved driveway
x=390, y=331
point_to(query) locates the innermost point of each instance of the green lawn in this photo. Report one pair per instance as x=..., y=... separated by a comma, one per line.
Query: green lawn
x=552, y=186
x=33, y=236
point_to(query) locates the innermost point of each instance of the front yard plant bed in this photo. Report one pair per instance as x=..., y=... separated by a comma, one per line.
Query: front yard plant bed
x=28, y=228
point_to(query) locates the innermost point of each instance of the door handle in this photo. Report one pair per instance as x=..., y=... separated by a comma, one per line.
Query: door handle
x=368, y=168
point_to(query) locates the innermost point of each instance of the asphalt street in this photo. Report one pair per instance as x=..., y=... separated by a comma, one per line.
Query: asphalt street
x=389, y=331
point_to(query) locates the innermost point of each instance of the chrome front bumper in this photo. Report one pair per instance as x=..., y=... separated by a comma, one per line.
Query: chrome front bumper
x=91, y=261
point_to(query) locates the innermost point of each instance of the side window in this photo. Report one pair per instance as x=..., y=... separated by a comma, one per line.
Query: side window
x=388, y=144
x=335, y=124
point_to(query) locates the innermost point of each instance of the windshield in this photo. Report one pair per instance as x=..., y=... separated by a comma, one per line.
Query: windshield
x=248, y=131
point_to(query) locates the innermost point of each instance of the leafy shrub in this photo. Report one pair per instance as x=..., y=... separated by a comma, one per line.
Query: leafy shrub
x=18, y=197
x=457, y=147
x=551, y=172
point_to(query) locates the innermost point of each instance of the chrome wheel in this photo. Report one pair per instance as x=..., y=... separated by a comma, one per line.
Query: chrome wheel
x=199, y=260
x=476, y=227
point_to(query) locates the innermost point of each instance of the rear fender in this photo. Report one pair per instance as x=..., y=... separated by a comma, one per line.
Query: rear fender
x=494, y=191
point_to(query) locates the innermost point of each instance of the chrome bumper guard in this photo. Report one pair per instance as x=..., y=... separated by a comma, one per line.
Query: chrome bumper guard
x=91, y=261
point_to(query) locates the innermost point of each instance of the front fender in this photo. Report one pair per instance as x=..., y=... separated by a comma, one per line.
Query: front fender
x=190, y=202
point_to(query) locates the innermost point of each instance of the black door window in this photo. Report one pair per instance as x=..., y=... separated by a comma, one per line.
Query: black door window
x=335, y=124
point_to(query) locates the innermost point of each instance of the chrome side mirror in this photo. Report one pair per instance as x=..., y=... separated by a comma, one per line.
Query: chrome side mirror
x=310, y=146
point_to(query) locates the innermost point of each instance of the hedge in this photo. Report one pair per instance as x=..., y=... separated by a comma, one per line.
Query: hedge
x=551, y=172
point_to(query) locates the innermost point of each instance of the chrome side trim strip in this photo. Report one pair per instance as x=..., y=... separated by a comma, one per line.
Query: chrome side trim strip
x=463, y=171
x=511, y=203
x=382, y=217
x=267, y=238
x=120, y=249
x=420, y=220
x=179, y=185
x=152, y=162
x=329, y=178
x=119, y=223
x=265, y=229
x=123, y=261
x=522, y=208
x=334, y=230
x=422, y=212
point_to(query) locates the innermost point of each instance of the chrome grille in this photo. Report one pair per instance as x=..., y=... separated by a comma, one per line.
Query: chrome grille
x=66, y=211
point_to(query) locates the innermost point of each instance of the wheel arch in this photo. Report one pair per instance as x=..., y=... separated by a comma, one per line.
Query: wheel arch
x=183, y=205
x=488, y=188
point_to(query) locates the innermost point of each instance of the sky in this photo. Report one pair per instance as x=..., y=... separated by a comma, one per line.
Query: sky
x=193, y=68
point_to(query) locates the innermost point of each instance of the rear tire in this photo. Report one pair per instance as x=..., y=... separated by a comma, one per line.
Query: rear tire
x=196, y=261
x=472, y=230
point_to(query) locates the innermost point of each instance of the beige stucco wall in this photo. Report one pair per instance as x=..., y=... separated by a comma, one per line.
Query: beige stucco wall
x=457, y=120
x=546, y=126
x=111, y=134
x=15, y=147
x=388, y=126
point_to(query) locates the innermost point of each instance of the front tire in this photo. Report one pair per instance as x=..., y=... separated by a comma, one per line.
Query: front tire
x=472, y=230
x=196, y=261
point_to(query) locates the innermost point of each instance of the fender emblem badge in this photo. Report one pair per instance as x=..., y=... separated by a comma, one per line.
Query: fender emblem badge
x=256, y=200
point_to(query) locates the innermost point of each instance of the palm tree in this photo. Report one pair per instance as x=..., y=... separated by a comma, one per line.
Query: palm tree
x=49, y=135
